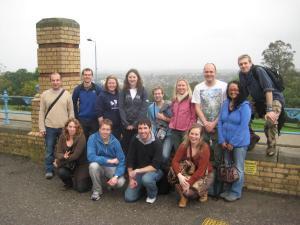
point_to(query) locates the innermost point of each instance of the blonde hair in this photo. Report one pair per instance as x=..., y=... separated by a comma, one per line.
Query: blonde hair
x=189, y=90
x=186, y=140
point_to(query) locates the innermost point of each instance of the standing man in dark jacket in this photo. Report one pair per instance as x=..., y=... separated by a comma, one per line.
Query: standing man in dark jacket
x=144, y=161
x=268, y=100
x=84, y=99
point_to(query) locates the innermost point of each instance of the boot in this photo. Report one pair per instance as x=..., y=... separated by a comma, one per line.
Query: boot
x=183, y=200
x=203, y=198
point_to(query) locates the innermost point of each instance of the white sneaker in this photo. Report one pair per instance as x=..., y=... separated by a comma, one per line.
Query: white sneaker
x=150, y=200
x=95, y=196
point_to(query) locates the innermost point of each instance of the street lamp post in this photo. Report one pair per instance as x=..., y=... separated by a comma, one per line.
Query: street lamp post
x=89, y=39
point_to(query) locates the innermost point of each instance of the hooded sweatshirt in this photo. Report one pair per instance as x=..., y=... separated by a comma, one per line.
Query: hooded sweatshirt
x=98, y=151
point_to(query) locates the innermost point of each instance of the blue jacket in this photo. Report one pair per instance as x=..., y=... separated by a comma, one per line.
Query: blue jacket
x=87, y=100
x=233, y=127
x=99, y=152
x=107, y=105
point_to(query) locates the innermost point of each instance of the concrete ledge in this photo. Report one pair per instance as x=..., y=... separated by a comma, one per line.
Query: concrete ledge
x=289, y=155
x=259, y=154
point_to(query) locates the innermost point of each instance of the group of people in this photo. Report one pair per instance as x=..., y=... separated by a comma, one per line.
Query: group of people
x=106, y=137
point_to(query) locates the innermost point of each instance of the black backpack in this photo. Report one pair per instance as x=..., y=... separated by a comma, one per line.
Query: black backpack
x=273, y=74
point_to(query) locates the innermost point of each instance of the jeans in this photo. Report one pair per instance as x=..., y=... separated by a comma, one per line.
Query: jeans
x=52, y=134
x=239, y=155
x=100, y=174
x=147, y=180
x=167, y=148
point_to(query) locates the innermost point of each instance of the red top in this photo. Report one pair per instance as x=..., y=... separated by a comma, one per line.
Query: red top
x=201, y=161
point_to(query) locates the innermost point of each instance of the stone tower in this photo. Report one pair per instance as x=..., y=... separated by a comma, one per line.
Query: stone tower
x=58, y=51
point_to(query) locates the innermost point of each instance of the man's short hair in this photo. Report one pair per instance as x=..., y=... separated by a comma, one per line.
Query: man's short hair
x=158, y=88
x=106, y=122
x=87, y=69
x=145, y=121
x=55, y=73
x=244, y=56
x=210, y=64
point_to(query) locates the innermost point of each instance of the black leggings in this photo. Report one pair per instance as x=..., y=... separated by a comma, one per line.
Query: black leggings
x=66, y=175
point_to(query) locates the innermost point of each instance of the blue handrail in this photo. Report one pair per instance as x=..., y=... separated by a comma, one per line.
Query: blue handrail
x=5, y=97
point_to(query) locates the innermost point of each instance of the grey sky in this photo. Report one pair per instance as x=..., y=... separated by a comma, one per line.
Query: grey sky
x=156, y=34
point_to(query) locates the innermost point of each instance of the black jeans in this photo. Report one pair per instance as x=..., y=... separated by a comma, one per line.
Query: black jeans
x=66, y=176
x=89, y=126
x=126, y=139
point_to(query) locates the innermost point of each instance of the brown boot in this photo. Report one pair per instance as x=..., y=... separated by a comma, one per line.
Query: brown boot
x=203, y=198
x=183, y=200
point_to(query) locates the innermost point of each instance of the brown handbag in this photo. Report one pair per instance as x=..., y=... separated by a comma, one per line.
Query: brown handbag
x=228, y=173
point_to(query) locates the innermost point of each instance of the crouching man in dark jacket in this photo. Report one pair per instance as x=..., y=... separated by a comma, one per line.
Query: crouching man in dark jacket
x=144, y=161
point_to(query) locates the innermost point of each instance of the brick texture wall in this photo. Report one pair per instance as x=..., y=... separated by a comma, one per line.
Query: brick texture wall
x=275, y=177
x=58, y=51
x=21, y=142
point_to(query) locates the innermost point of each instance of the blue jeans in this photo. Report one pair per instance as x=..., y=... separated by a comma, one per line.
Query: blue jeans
x=239, y=155
x=51, y=137
x=147, y=180
x=167, y=148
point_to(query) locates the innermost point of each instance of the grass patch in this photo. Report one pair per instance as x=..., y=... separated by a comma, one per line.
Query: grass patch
x=258, y=124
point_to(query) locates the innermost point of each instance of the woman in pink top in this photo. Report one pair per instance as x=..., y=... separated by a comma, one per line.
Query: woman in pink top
x=183, y=111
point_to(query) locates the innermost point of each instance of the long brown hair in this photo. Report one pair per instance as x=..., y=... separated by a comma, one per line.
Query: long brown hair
x=187, y=142
x=139, y=84
x=77, y=125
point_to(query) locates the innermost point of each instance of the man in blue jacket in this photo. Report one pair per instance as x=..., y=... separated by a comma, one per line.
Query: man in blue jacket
x=107, y=160
x=84, y=100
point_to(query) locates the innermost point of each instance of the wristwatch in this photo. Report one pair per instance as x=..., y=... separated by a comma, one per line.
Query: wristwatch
x=269, y=109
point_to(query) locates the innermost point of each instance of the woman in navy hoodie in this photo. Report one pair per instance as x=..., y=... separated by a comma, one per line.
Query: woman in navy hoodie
x=133, y=106
x=234, y=135
x=107, y=105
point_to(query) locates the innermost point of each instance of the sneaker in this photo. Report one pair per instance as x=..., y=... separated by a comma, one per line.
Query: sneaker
x=49, y=175
x=270, y=151
x=224, y=194
x=231, y=198
x=95, y=196
x=150, y=200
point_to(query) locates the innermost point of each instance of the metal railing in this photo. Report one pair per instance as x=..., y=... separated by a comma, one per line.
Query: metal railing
x=26, y=100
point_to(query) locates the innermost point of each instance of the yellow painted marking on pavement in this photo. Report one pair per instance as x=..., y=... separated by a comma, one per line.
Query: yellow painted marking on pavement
x=210, y=221
x=250, y=167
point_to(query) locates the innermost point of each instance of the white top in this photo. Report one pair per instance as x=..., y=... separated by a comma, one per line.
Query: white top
x=133, y=92
x=210, y=98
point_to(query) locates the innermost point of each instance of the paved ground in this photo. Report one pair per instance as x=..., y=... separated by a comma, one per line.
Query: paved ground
x=27, y=198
